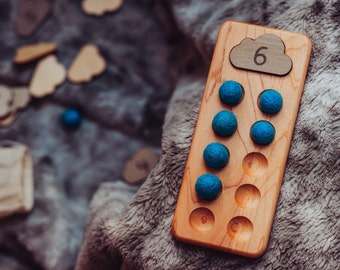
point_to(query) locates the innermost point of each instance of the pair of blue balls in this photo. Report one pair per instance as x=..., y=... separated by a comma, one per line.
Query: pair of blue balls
x=208, y=186
x=231, y=93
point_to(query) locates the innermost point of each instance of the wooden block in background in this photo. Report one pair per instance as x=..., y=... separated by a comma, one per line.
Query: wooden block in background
x=239, y=220
x=16, y=179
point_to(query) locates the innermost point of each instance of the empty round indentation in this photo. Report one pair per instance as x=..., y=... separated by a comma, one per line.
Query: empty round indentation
x=255, y=164
x=240, y=228
x=247, y=196
x=201, y=219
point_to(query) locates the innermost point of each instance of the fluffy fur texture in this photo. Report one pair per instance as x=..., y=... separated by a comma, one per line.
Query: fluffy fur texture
x=151, y=49
x=305, y=232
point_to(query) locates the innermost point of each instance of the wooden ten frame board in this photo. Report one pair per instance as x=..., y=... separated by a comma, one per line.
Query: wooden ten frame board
x=240, y=219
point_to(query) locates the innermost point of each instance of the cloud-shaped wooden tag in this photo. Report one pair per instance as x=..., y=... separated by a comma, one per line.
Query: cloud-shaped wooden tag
x=264, y=54
x=99, y=7
x=31, y=52
x=48, y=74
x=87, y=64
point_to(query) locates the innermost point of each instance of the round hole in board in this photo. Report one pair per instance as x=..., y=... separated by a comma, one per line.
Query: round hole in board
x=240, y=228
x=255, y=164
x=201, y=219
x=247, y=196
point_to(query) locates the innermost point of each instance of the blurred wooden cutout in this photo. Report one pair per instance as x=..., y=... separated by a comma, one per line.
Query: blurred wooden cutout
x=31, y=15
x=21, y=98
x=32, y=52
x=47, y=76
x=139, y=167
x=9, y=119
x=87, y=64
x=99, y=7
x=6, y=98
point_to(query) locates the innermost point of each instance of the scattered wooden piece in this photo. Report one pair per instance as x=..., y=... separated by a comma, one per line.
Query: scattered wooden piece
x=21, y=98
x=31, y=15
x=139, y=167
x=32, y=52
x=99, y=7
x=6, y=98
x=87, y=64
x=16, y=179
x=264, y=54
x=47, y=76
x=9, y=119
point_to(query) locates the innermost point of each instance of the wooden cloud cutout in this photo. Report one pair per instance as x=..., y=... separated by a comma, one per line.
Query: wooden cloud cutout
x=264, y=54
x=99, y=7
x=47, y=76
x=31, y=52
x=87, y=64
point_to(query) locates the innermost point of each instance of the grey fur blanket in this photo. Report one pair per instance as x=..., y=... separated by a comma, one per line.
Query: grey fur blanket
x=157, y=50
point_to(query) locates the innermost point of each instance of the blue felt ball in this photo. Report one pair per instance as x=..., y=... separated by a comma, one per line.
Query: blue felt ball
x=224, y=123
x=262, y=132
x=270, y=101
x=71, y=118
x=231, y=93
x=208, y=187
x=216, y=155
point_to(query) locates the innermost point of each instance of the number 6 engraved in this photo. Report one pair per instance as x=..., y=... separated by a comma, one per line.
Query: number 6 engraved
x=262, y=57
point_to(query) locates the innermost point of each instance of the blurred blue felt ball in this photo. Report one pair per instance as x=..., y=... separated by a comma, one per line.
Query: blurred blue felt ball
x=231, y=93
x=224, y=123
x=262, y=132
x=71, y=118
x=216, y=155
x=208, y=187
x=270, y=101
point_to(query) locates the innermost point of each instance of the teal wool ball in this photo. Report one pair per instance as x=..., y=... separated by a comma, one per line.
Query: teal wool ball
x=270, y=101
x=224, y=123
x=208, y=187
x=262, y=132
x=231, y=93
x=216, y=155
x=71, y=118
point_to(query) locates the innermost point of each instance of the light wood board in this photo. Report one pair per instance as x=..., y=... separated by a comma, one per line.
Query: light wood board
x=239, y=220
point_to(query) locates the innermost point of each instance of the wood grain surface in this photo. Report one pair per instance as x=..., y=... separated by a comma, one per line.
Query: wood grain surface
x=240, y=219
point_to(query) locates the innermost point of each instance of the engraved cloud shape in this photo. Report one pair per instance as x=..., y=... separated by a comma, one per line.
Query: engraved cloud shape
x=264, y=54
